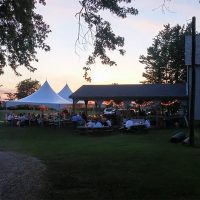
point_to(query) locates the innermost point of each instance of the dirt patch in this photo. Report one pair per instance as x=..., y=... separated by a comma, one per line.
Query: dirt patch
x=21, y=176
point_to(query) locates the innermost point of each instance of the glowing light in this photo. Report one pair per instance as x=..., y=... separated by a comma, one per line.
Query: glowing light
x=169, y=103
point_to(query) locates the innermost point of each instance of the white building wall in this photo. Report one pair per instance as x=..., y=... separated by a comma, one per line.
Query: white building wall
x=197, y=92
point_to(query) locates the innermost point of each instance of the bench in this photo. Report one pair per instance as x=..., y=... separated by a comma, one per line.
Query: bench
x=94, y=131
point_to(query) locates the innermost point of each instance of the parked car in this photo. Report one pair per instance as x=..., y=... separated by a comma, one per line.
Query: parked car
x=109, y=111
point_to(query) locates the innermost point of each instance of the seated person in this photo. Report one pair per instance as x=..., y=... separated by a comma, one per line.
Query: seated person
x=40, y=119
x=90, y=124
x=147, y=123
x=22, y=118
x=129, y=123
x=98, y=124
x=74, y=120
x=79, y=120
x=123, y=123
x=108, y=123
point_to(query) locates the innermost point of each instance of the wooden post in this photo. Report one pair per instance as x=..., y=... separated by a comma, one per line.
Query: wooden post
x=86, y=108
x=193, y=81
x=73, y=106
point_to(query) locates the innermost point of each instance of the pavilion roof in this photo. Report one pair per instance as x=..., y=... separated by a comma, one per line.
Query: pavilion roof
x=130, y=92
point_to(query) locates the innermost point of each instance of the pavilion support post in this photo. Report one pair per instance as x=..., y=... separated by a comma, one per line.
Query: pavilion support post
x=86, y=107
x=127, y=103
x=98, y=106
x=74, y=105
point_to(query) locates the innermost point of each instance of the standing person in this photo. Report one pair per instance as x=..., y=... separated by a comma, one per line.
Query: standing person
x=10, y=118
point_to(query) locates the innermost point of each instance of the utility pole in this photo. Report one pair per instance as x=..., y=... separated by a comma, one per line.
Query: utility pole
x=193, y=82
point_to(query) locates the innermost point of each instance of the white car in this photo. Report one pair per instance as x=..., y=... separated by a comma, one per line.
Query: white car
x=109, y=111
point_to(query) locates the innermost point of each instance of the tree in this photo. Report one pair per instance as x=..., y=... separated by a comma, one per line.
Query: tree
x=164, y=62
x=100, y=30
x=10, y=96
x=26, y=87
x=22, y=31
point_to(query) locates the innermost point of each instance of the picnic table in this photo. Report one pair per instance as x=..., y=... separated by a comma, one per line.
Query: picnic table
x=137, y=126
x=94, y=130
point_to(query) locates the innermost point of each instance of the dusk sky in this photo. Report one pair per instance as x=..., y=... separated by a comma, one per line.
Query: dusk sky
x=63, y=65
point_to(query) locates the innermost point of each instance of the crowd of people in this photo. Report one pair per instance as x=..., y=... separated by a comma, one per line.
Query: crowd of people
x=80, y=119
x=91, y=122
x=22, y=119
x=100, y=121
x=31, y=119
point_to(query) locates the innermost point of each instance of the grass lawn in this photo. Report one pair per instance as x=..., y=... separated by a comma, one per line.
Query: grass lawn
x=126, y=167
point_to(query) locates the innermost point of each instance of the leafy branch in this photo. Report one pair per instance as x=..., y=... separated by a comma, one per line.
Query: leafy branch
x=100, y=31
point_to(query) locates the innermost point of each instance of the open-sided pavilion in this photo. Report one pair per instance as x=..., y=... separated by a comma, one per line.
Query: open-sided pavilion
x=129, y=92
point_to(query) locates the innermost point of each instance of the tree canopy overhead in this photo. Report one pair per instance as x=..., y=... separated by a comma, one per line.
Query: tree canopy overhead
x=164, y=62
x=22, y=31
x=100, y=30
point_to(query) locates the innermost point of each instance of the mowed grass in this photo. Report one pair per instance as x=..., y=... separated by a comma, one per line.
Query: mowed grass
x=138, y=166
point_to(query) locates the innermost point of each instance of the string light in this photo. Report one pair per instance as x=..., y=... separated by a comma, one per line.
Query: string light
x=142, y=105
x=107, y=102
x=145, y=104
x=115, y=103
x=169, y=103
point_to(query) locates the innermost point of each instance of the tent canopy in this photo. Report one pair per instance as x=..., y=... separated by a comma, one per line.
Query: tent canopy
x=65, y=93
x=44, y=96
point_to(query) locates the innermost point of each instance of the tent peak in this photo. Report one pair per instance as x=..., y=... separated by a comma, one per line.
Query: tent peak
x=65, y=93
x=45, y=95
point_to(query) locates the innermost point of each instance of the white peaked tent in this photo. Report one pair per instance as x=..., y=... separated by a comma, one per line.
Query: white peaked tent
x=65, y=93
x=44, y=96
